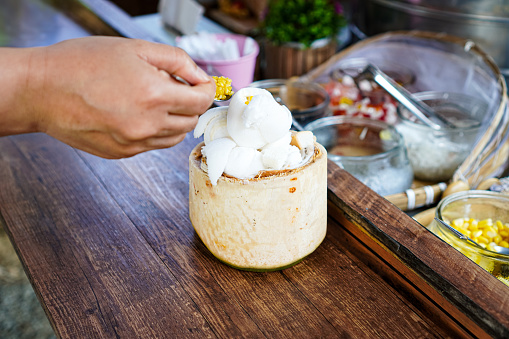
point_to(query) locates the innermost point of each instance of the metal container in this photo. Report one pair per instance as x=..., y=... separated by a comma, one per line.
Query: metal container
x=486, y=22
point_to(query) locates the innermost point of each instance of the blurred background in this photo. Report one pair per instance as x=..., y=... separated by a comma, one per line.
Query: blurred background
x=484, y=21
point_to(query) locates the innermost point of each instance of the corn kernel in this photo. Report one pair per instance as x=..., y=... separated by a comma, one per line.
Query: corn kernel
x=489, y=232
x=456, y=223
x=223, y=88
x=497, y=239
x=503, y=243
x=483, y=240
x=491, y=246
x=482, y=223
x=477, y=234
x=473, y=227
x=485, y=222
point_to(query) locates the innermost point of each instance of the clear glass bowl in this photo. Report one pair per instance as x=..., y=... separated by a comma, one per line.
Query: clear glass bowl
x=478, y=205
x=436, y=154
x=363, y=97
x=370, y=150
x=306, y=100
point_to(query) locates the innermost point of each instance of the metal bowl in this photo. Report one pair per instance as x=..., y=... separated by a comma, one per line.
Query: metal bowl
x=486, y=22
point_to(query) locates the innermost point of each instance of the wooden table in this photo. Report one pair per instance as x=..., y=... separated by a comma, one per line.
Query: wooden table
x=110, y=252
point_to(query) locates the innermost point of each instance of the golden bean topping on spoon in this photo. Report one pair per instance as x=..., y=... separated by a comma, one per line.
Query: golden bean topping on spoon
x=223, y=88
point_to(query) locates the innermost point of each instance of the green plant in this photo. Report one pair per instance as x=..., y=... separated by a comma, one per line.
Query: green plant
x=302, y=21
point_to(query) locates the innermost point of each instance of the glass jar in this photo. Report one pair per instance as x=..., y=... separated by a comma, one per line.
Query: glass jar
x=370, y=150
x=478, y=205
x=307, y=101
x=436, y=154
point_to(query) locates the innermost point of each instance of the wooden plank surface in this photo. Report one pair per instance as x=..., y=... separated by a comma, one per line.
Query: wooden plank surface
x=421, y=264
x=160, y=186
x=110, y=251
x=94, y=272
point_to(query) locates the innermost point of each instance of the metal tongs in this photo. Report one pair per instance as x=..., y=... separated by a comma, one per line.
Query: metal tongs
x=418, y=108
x=498, y=249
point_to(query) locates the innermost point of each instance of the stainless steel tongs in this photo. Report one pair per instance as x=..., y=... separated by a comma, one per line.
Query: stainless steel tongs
x=418, y=108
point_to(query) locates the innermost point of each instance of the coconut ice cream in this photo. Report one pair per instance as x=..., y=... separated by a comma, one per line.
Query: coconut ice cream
x=257, y=191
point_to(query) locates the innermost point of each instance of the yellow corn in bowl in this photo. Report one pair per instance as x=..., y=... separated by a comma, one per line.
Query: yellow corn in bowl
x=482, y=216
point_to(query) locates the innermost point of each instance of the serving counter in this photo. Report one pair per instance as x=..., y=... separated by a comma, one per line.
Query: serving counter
x=110, y=252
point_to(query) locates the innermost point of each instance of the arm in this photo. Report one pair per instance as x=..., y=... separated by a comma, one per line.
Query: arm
x=112, y=97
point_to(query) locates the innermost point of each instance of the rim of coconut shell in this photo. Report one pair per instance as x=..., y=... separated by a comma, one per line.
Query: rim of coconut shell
x=319, y=151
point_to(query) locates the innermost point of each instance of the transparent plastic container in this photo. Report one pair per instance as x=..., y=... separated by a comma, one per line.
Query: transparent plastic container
x=436, y=154
x=478, y=205
x=371, y=150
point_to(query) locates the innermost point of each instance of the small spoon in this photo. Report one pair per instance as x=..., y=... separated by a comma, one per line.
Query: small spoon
x=227, y=97
x=176, y=77
x=498, y=249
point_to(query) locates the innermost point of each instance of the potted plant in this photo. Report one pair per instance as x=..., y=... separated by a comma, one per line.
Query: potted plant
x=299, y=35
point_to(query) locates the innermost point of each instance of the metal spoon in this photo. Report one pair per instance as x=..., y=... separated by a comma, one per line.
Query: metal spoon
x=498, y=249
x=227, y=97
x=418, y=108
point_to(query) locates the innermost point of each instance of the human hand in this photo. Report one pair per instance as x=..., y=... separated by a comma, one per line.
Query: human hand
x=114, y=97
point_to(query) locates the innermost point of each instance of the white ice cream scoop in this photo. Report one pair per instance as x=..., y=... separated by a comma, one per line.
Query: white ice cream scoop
x=256, y=119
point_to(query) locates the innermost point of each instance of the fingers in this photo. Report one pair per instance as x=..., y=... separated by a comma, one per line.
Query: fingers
x=191, y=98
x=177, y=124
x=118, y=151
x=104, y=146
x=167, y=124
x=188, y=100
x=122, y=99
x=174, y=61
